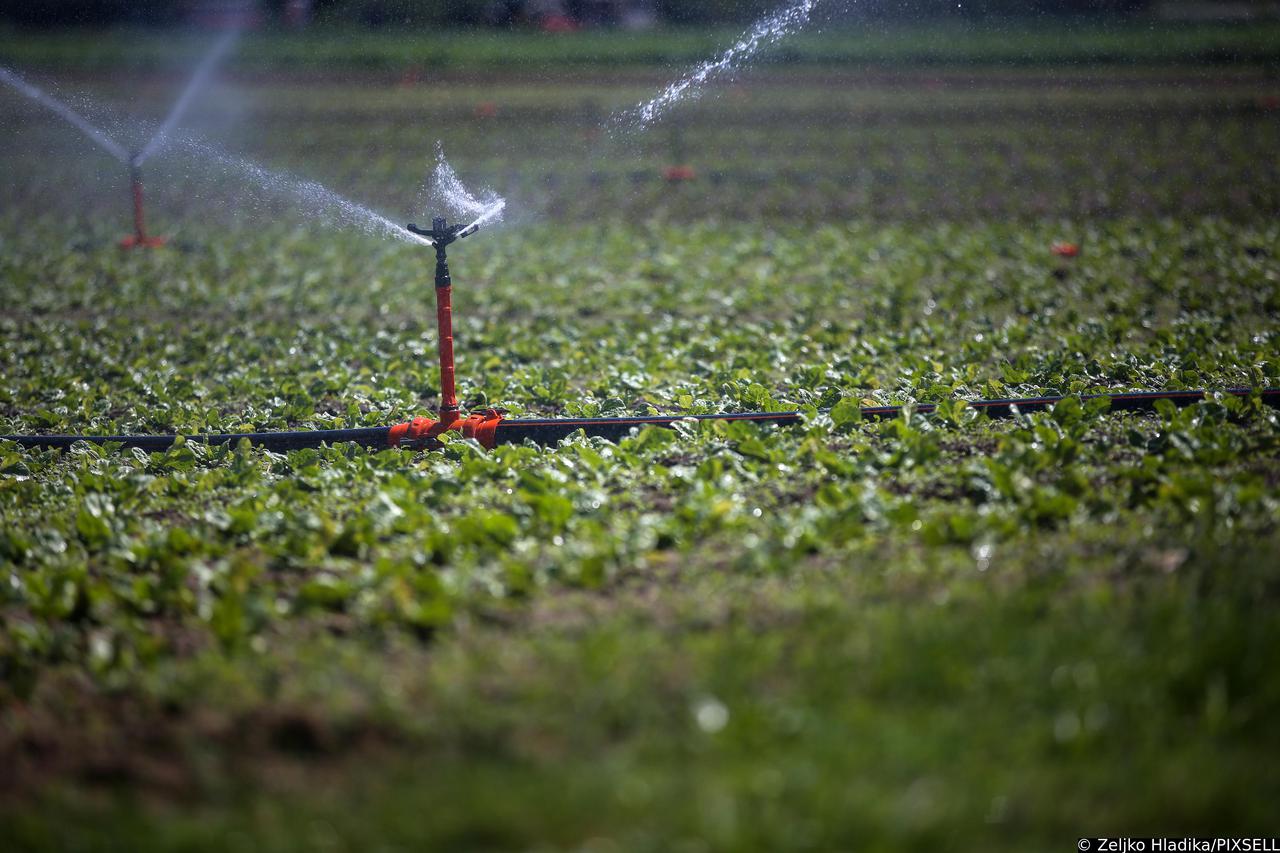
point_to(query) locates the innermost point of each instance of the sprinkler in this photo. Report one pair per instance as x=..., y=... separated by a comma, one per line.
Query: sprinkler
x=423, y=432
x=133, y=160
x=679, y=170
x=138, y=239
x=440, y=236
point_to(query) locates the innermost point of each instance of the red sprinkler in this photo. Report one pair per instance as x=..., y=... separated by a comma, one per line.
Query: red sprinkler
x=138, y=239
x=423, y=431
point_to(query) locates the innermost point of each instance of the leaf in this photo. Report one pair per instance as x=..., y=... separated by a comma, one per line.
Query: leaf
x=846, y=413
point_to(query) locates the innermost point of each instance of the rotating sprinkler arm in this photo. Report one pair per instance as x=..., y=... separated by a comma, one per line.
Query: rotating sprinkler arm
x=442, y=234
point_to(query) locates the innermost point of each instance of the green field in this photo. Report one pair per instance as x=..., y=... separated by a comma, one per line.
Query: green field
x=952, y=632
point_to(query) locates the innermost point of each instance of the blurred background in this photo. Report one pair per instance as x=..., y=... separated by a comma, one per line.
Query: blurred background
x=571, y=14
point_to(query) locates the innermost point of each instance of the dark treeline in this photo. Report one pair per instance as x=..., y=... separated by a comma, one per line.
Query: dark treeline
x=529, y=12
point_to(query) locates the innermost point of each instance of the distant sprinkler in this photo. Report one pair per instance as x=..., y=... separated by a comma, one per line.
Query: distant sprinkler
x=679, y=170
x=133, y=160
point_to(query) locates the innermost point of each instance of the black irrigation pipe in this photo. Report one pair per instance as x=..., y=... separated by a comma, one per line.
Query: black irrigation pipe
x=369, y=437
x=491, y=429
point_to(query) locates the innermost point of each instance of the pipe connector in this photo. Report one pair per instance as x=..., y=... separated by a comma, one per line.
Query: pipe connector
x=424, y=433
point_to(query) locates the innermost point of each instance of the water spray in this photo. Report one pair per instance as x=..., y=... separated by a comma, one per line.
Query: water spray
x=766, y=32
x=139, y=238
x=66, y=113
x=199, y=78
x=133, y=161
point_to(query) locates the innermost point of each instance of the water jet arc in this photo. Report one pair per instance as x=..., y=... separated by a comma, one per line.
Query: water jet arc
x=66, y=113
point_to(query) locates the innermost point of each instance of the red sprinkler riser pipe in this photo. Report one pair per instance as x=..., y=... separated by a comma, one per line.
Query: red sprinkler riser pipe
x=444, y=328
x=139, y=226
x=441, y=235
x=138, y=239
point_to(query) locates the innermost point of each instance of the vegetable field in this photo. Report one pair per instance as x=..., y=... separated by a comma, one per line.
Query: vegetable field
x=949, y=631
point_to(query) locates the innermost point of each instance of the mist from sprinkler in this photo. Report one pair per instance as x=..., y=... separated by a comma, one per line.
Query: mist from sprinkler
x=324, y=205
x=446, y=193
x=197, y=82
x=450, y=191
x=66, y=113
x=320, y=202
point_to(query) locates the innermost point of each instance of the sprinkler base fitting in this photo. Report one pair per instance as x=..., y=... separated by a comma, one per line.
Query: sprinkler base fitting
x=424, y=433
x=133, y=241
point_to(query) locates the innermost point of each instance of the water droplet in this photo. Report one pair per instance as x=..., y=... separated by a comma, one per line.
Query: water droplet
x=1067, y=726
x=710, y=714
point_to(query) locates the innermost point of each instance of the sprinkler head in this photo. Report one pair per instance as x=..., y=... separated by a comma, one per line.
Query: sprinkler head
x=442, y=234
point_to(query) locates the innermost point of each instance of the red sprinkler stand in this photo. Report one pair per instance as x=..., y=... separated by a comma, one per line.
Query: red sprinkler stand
x=444, y=328
x=423, y=432
x=139, y=239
